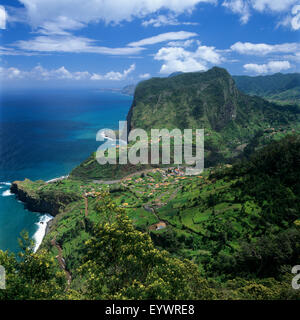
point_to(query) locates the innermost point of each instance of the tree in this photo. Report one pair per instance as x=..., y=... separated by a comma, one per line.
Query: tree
x=122, y=263
x=32, y=276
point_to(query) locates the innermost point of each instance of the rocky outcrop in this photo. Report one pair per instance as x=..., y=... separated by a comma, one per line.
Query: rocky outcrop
x=38, y=201
x=189, y=100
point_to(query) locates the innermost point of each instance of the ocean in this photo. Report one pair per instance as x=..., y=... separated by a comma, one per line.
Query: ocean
x=44, y=134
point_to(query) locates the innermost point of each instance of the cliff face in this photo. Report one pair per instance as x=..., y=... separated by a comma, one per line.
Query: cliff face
x=202, y=99
x=208, y=100
x=43, y=202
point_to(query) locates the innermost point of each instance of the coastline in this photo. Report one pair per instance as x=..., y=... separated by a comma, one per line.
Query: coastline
x=48, y=226
x=46, y=219
x=39, y=235
x=58, y=179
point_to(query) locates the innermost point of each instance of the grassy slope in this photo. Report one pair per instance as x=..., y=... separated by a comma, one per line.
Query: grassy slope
x=282, y=88
x=216, y=219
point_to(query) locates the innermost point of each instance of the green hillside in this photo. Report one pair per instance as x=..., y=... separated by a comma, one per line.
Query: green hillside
x=231, y=233
x=207, y=100
x=283, y=88
x=210, y=100
x=139, y=232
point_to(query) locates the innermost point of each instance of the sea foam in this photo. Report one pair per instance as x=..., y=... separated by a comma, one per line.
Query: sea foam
x=6, y=193
x=40, y=233
x=5, y=183
x=57, y=179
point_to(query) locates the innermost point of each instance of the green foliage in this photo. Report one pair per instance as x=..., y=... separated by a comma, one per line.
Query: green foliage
x=31, y=276
x=277, y=87
x=242, y=219
x=122, y=263
x=207, y=100
x=238, y=225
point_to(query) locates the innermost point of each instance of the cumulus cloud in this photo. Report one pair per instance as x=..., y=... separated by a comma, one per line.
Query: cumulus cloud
x=62, y=73
x=41, y=73
x=180, y=59
x=2, y=18
x=264, y=49
x=115, y=76
x=168, y=36
x=56, y=20
x=10, y=73
x=41, y=12
x=270, y=67
x=245, y=7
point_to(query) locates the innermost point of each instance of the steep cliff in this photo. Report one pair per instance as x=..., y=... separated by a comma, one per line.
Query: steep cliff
x=202, y=100
x=40, y=200
x=207, y=100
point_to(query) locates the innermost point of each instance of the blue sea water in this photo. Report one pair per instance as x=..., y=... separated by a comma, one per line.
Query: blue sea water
x=44, y=134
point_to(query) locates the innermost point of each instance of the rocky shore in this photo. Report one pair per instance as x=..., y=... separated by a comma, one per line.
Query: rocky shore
x=32, y=201
x=37, y=201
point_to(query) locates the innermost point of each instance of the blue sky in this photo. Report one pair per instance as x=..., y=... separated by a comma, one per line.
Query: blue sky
x=110, y=43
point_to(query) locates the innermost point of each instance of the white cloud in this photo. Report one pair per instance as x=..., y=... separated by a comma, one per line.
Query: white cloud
x=2, y=18
x=165, y=20
x=270, y=67
x=66, y=42
x=109, y=11
x=145, y=76
x=16, y=14
x=245, y=7
x=295, y=21
x=262, y=49
x=73, y=44
x=291, y=20
x=62, y=73
x=240, y=7
x=273, y=5
x=61, y=26
x=168, y=36
x=184, y=44
x=112, y=75
x=10, y=73
x=179, y=59
x=41, y=73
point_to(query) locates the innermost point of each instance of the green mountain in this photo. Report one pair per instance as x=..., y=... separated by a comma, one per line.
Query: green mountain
x=174, y=74
x=233, y=121
x=284, y=88
x=208, y=100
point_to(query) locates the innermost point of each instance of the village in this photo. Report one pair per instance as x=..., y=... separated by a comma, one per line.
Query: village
x=141, y=194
